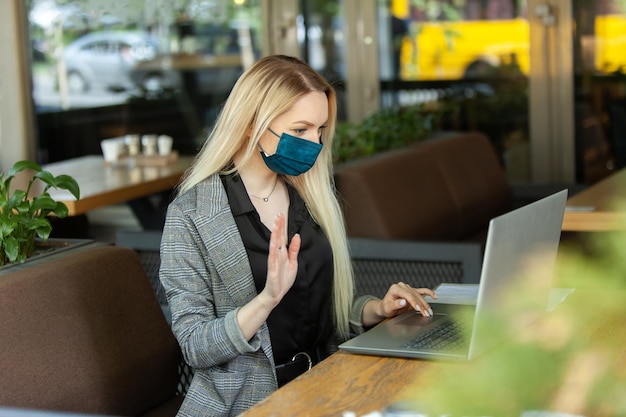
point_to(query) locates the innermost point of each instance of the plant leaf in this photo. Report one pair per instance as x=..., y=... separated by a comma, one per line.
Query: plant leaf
x=21, y=166
x=42, y=227
x=6, y=227
x=15, y=200
x=39, y=222
x=66, y=182
x=60, y=210
x=46, y=177
x=11, y=248
x=43, y=202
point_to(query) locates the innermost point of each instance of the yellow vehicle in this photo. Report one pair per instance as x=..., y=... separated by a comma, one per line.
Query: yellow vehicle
x=454, y=50
x=610, y=43
x=450, y=50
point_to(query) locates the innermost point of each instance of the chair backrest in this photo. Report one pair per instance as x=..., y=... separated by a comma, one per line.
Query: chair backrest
x=474, y=176
x=147, y=245
x=85, y=333
x=379, y=263
x=396, y=195
x=444, y=189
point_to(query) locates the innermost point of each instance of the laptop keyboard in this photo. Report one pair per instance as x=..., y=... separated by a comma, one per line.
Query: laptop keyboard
x=447, y=336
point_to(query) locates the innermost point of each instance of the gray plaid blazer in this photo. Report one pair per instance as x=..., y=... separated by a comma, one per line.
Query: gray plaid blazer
x=207, y=278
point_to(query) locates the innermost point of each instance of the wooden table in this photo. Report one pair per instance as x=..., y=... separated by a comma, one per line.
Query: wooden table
x=365, y=384
x=346, y=382
x=103, y=185
x=597, y=207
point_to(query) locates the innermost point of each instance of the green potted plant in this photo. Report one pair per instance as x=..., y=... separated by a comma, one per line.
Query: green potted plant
x=387, y=129
x=23, y=216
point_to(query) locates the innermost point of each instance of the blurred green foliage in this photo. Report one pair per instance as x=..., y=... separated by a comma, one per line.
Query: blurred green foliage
x=573, y=360
x=387, y=129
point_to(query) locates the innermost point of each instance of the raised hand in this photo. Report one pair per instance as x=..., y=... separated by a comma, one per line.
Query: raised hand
x=282, y=262
x=282, y=267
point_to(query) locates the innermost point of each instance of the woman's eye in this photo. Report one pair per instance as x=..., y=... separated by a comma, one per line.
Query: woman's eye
x=302, y=131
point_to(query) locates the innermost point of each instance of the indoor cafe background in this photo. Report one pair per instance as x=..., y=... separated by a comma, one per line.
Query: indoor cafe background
x=543, y=78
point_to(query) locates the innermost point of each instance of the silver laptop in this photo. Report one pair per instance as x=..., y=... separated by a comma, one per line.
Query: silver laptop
x=513, y=240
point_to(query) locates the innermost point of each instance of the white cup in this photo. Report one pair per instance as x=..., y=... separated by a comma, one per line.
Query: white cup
x=149, y=143
x=164, y=144
x=112, y=149
x=134, y=144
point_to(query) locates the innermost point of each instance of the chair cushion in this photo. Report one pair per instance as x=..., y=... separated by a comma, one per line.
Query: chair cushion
x=443, y=189
x=85, y=333
x=474, y=177
x=396, y=195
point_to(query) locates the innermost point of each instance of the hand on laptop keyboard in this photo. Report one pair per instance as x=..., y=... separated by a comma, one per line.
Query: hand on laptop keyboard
x=400, y=298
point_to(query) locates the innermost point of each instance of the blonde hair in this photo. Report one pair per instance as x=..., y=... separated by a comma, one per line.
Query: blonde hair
x=265, y=91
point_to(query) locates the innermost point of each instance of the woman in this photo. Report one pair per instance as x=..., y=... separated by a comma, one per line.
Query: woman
x=254, y=257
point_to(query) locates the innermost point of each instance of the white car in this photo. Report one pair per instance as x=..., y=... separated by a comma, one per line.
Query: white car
x=105, y=59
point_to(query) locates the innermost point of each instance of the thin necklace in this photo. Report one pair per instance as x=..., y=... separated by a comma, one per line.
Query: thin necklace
x=266, y=199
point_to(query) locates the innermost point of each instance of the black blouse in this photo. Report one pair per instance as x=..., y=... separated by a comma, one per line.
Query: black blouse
x=302, y=320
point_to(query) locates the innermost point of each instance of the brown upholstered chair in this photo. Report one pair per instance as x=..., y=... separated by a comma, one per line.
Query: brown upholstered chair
x=443, y=189
x=147, y=245
x=85, y=333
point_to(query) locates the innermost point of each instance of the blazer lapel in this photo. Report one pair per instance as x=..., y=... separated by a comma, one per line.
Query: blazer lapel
x=222, y=238
x=228, y=253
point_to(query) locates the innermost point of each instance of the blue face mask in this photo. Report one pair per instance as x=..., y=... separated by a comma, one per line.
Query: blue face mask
x=294, y=156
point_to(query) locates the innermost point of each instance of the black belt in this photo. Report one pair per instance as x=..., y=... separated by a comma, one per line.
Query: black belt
x=299, y=364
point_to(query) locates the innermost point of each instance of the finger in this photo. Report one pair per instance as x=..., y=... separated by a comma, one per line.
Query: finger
x=278, y=232
x=275, y=242
x=414, y=297
x=428, y=292
x=422, y=291
x=294, y=247
x=424, y=311
x=420, y=305
x=399, y=293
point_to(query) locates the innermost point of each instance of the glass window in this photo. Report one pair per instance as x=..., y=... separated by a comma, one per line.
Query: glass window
x=321, y=40
x=103, y=69
x=470, y=60
x=600, y=86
